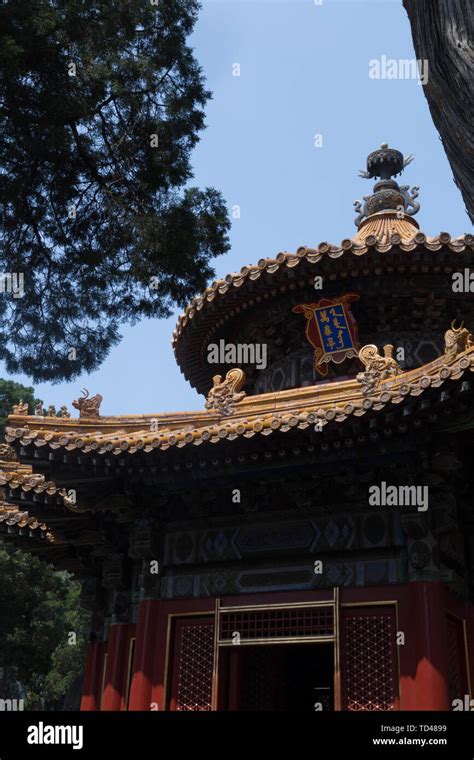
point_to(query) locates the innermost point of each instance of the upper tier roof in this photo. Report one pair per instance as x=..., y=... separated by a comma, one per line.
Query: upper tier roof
x=386, y=232
x=375, y=249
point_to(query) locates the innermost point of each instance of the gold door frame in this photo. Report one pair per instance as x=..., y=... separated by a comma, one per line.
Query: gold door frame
x=463, y=621
x=102, y=679
x=169, y=627
x=334, y=638
x=128, y=678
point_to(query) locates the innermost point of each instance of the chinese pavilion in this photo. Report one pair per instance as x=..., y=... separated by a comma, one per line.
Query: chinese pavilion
x=305, y=541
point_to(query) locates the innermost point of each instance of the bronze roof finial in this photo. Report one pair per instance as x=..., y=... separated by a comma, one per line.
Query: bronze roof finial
x=383, y=164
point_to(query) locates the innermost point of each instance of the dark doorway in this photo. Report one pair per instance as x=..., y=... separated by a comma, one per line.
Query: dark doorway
x=287, y=678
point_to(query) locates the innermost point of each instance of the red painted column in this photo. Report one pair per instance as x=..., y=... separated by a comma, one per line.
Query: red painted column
x=116, y=667
x=160, y=663
x=142, y=678
x=432, y=689
x=92, y=676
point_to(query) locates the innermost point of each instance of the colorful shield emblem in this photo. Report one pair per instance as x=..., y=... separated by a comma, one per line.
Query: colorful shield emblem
x=331, y=329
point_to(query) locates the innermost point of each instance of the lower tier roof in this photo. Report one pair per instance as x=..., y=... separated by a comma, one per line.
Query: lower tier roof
x=322, y=404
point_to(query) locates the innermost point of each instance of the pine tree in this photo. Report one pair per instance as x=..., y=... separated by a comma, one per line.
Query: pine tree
x=101, y=104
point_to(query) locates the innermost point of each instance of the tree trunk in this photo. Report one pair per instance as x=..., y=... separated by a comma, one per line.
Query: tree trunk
x=443, y=36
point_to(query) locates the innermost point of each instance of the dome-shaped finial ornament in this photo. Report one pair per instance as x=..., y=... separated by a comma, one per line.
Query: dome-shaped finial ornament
x=383, y=164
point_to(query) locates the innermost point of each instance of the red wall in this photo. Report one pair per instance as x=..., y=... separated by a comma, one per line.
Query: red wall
x=114, y=656
x=422, y=609
x=91, y=687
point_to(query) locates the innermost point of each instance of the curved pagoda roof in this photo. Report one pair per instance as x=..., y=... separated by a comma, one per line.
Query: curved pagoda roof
x=381, y=401
x=313, y=424
x=386, y=233
x=323, y=405
x=388, y=239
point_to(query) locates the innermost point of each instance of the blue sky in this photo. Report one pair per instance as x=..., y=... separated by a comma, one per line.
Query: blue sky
x=304, y=70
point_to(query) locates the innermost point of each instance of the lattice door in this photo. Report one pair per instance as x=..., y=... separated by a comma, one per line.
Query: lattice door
x=259, y=682
x=369, y=668
x=192, y=664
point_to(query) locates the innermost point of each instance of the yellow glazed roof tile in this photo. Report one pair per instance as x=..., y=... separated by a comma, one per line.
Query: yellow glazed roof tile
x=261, y=414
